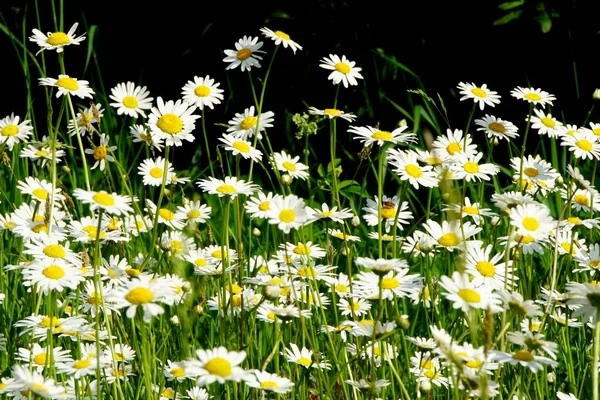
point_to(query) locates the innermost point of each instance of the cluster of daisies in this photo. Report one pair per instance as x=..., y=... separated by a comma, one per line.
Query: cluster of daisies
x=87, y=269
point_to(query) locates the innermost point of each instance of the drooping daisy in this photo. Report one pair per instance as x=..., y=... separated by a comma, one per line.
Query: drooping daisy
x=451, y=235
x=152, y=171
x=304, y=357
x=343, y=70
x=231, y=186
x=408, y=169
x=534, y=96
x=545, y=124
x=56, y=40
x=217, y=365
x=280, y=37
x=85, y=119
x=202, y=92
x=453, y=144
x=68, y=85
x=270, y=382
x=369, y=135
x=464, y=295
x=130, y=99
x=392, y=212
x=497, y=128
x=246, y=125
x=479, y=94
x=173, y=121
x=111, y=203
x=583, y=144
x=287, y=212
x=584, y=299
x=140, y=133
x=332, y=113
x=245, y=54
x=240, y=147
x=290, y=165
x=12, y=131
x=102, y=152
x=144, y=292
x=532, y=220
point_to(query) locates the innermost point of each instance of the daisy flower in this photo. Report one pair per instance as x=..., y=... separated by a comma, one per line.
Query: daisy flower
x=534, y=341
x=173, y=121
x=152, y=171
x=488, y=269
x=303, y=357
x=194, y=212
x=467, y=167
x=244, y=126
x=287, y=212
x=534, y=169
x=40, y=152
x=336, y=233
x=353, y=306
x=56, y=40
x=515, y=302
x=270, y=382
x=85, y=119
x=369, y=135
x=47, y=248
x=130, y=99
x=51, y=274
x=140, y=133
x=534, y=96
x=343, y=70
x=582, y=199
x=12, y=131
x=419, y=243
x=231, y=186
x=326, y=213
x=202, y=92
x=449, y=235
x=110, y=203
x=42, y=357
x=34, y=383
x=583, y=145
x=241, y=147
x=497, y=128
x=197, y=393
x=280, y=37
x=394, y=284
x=217, y=365
x=258, y=206
x=382, y=266
x=101, y=152
x=479, y=94
x=68, y=85
x=469, y=209
x=451, y=145
x=332, y=113
x=464, y=295
x=39, y=190
x=525, y=358
x=408, y=169
x=545, y=124
x=290, y=165
x=245, y=54
x=143, y=292
x=165, y=216
x=392, y=211
x=584, y=299
x=532, y=220
x=175, y=371
x=367, y=386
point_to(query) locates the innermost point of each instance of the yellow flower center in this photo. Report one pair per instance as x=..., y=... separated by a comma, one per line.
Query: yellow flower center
x=287, y=216
x=574, y=220
x=47, y=322
x=389, y=283
x=382, y=135
x=388, y=212
x=469, y=295
x=104, y=199
x=596, y=131
x=40, y=359
x=176, y=246
x=178, y=372
x=168, y=393
x=567, y=247
x=244, y=54
x=486, y=268
x=479, y=92
x=531, y=224
x=248, y=122
x=523, y=355
x=40, y=193
x=202, y=91
x=471, y=167
x=225, y=188
x=9, y=130
x=453, y=148
x=470, y=210
x=343, y=68
x=82, y=364
x=218, y=366
x=302, y=250
x=9, y=225
x=67, y=83
x=54, y=251
x=332, y=111
x=433, y=160
x=584, y=145
x=548, y=122
x=289, y=166
x=130, y=102
x=40, y=228
x=156, y=172
x=532, y=96
x=474, y=363
x=53, y=272
x=307, y=362
x=170, y=123
x=581, y=199
x=42, y=153
x=269, y=385
x=282, y=35
x=264, y=206
x=94, y=299
x=449, y=239
x=200, y=262
x=531, y=172
x=139, y=296
x=166, y=214
x=340, y=287
x=307, y=271
x=241, y=147
x=193, y=214
x=413, y=170
x=57, y=39
x=497, y=127
x=100, y=153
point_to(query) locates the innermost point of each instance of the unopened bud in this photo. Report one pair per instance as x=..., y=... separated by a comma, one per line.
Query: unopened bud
x=426, y=386
x=552, y=375
x=186, y=287
x=286, y=179
x=174, y=320
x=494, y=220
x=355, y=220
x=256, y=232
x=495, y=141
x=596, y=95
x=66, y=169
x=559, y=181
x=199, y=309
x=272, y=292
x=403, y=322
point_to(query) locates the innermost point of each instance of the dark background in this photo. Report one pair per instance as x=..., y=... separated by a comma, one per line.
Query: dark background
x=164, y=45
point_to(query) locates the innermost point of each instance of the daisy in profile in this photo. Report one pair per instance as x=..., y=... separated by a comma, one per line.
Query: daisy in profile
x=231, y=186
x=56, y=40
x=173, y=121
x=303, y=357
x=141, y=133
x=534, y=96
x=287, y=212
x=389, y=208
x=101, y=152
x=111, y=203
x=332, y=113
x=479, y=94
x=532, y=220
x=40, y=152
x=382, y=266
x=583, y=299
x=408, y=169
x=202, y=92
x=152, y=171
x=32, y=382
x=337, y=233
x=68, y=85
x=240, y=147
x=130, y=99
x=468, y=209
x=245, y=54
x=217, y=365
x=39, y=189
x=467, y=167
x=325, y=212
x=270, y=382
x=394, y=284
x=461, y=291
x=525, y=358
x=343, y=70
x=12, y=131
x=282, y=38
x=290, y=165
x=449, y=235
x=369, y=135
x=583, y=144
x=246, y=125
x=497, y=128
x=545, y=124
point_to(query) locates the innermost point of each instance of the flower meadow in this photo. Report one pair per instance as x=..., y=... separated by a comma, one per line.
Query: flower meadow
x=419, y=267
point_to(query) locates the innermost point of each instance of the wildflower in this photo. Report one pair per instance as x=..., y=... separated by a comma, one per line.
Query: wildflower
x=353, y=306
x=280, y=37
x=68, y=85
x=332, y=113
x=12, y=131
x=202, y=92
x=140, y=133
x=325, y=212
x=246, y=125
x=173, y=121
x=85, y=118
x=586, y=298
x=451, y=235
x=270, y=382
x=101, y=152
x=42, y=357
x=240, y=147
x=392, y=212
x=47, y=248
x=497, y=128
x=245, y=54
x=33, y=383
x=343, y=70
x=231, y=186
x=489, y=270
x=143, y=292
x=468, y=168
x=524, y=358
x=287, y=212
x=534, y=96
x=39, y=189
x=453, y=144
x=130, y=99
x=532, y=220
x=51, y=274
x=369, y=135
x=583, y=145
x=110, y=203
x=479, y=94
x=472, y=210
x=152, y=171
x=56, y=40
x=290, y=165
x=304, y=357
x=408, y=169
x=40, y=152
x=464, y=295
x=194, y=212
x=545, y=124
x=218, y=365
x=394, y=284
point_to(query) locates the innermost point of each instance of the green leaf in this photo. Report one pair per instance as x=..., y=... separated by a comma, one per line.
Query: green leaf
x=90, y=45
x=348, y=182
x=508, y=17
x=509, y=5
x=545, y=21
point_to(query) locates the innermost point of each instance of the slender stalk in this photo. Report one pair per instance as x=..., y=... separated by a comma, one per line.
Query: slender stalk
x=595, y=358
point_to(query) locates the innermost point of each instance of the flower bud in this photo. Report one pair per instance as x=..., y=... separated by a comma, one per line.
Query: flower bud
x=355, y=220
x=256, y=232
x=596, y=95
x=174, y=320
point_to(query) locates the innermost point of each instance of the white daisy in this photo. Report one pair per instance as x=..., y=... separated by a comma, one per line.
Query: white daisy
x=392, y=212
x=85, y=118
x=112, y=203
x=143, y=292
x=202, y=92
x=464, y=295
x=231, y=186
x=12, y=131
x=218, y=365
x=56, y=40
x=245, y=54
x=270, y=382
x=583, y=145
x=290, y=165
x=280, y=37
x=343, y=70
x=532, y=220
x=369, y=135
x=479, y=94
x=408, y=169
x=101, y=152
x=140, y=133
x=173, y=121
x=534, y=96
x=244, y=126
x=332, y=113
x=130, y=99
x=497, y=128
x=152, y=171
x=68, y=85
x=451, y=235
x=240, y=147
x=467, y=167
x=545, y=124
x=287, y=212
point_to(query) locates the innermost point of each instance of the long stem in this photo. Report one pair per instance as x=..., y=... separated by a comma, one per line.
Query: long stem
x=595, y=362
x=208, y=158
x=523, y=146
